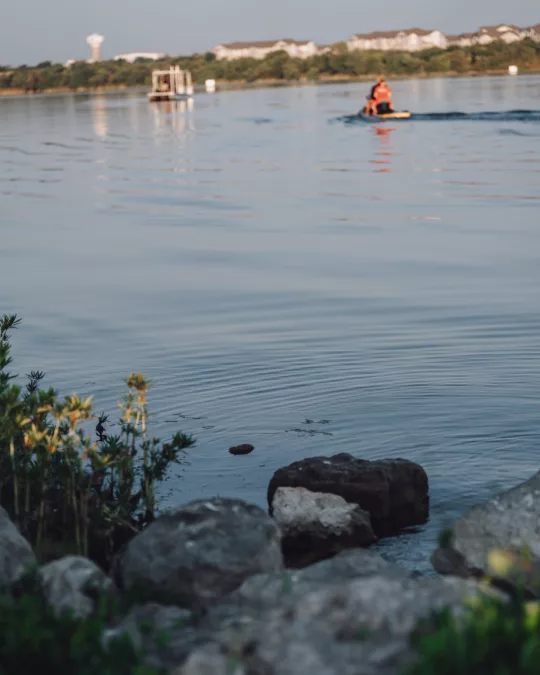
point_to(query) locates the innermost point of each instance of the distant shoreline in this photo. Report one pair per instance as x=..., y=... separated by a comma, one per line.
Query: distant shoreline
x=238, y=85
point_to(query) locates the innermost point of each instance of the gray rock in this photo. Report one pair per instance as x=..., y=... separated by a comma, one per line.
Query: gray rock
x=210, y=661
x=205, y=550
x=361, y=626
x=165, y=635
x=394, y=492
x=16, y=555
x=265, y=591
x=73, y=585
x=509, y=521
x=449, y=561
x=347, y=615
x=316, y=525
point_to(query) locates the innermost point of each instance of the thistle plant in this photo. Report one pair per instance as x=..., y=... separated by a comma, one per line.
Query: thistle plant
x=66, y=491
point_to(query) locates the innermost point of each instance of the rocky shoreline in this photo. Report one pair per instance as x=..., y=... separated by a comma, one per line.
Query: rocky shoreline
x=293, y=591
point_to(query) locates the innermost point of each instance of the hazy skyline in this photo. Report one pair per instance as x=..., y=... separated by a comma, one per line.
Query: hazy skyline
x=34, y=31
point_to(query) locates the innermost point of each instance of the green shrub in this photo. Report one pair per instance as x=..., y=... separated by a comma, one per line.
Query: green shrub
x=67, y=492
x=34, y=641
x=493, y=638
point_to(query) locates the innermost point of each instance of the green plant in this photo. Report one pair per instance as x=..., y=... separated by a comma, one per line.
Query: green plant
x=493, y=638
x=66, y=491
x=34, y=641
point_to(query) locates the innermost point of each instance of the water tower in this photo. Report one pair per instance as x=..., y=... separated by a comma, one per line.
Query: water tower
x=95, y=41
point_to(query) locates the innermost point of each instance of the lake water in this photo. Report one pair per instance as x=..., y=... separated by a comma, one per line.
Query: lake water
x=289, y=279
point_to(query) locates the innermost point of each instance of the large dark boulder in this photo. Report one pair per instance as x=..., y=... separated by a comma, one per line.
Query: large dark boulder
x=195, y=556
x=393, y=491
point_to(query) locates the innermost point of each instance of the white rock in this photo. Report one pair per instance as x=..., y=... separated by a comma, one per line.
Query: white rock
x=316, y=524
x=298, y=509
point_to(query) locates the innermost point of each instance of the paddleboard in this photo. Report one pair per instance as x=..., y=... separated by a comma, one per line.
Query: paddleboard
x=403, y=115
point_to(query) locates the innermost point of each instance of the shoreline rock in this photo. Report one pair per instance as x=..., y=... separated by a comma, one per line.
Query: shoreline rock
x=215, y=586
x=394, y=492
x=510, y=522
x=200, y=553
x=359, y=626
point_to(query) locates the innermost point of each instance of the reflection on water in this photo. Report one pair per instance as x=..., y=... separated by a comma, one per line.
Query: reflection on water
x=245, y=251
x=384, y=155
x=99, y=110
x=173, y=115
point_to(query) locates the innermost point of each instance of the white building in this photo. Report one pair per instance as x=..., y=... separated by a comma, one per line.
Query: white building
x=302, y=49
x=488, y=34
x=133, y=56
x=412, y=40
x=533, y=32
x=417, y=39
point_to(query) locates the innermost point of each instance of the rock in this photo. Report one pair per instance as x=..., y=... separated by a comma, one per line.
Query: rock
x=165, y=635
x=448, y=561
x=16, y=555
x=210, y=661
x=202, y=552
x=73, y=585
x=394, y=491
x=316, y=525
x=349, y=615
x=510, y=522
x=243, y=449
x=264, y=591
x=360, y=626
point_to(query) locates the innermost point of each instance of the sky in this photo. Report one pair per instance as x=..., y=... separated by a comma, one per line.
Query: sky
x=33, y=30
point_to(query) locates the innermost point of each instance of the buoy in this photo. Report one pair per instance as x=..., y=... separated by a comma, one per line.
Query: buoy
x=210, y=85
x=512, y=70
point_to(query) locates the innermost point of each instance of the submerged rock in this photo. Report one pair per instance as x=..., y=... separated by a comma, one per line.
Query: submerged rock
x=317, y=525
x=73, y=585
x=16, y=555
x=205, y=550
x=243, y=449
x=394, y=491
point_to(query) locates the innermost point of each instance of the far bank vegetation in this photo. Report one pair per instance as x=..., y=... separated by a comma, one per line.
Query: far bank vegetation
x=278, y=66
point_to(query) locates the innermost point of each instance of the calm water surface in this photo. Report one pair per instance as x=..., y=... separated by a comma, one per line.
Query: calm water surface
x=287, y=279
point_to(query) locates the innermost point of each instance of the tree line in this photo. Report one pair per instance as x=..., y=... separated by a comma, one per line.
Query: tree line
x=277, y=66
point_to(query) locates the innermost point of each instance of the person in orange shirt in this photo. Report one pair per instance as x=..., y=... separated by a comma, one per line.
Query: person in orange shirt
x=380, y=100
